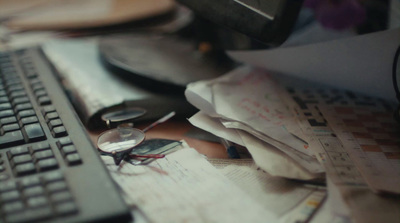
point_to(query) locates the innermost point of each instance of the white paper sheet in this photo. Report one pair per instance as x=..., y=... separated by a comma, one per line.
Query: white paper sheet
x=249, y=96
x=266, y=156
x=361, y=63
x=275, y=194
x=185, y=187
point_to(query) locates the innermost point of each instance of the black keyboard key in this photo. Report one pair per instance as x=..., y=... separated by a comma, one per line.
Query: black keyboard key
x=9, y=128
x=17, y=151
x=66, y=208
x=26, y=113
x=30, y=182
x=31, y=215
x=73, y=159
x=44, y=154
x=8, y=186
x=33, y=132
x=44, y=100
x=36, y=202
x=57, y=186
x=13, y=207
x=5, y=106
x=20, y=100
x=4, y=177
x=13, y=138
x=24, y=169
x=25, y=158
x=3, y=99
x=60, y=197
x=59, y=131
x=40, y=147
x=9, y=120
x=68, y=150
x=23, y=106
x=6, y=113
x=55, y=123
x=47, y=164
x=29, y=120
x=34, y=191
x=12, y=195
x=51, y=115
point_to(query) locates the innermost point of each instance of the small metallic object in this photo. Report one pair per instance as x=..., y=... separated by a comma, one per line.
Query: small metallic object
x=119, y=142
x=114, y=118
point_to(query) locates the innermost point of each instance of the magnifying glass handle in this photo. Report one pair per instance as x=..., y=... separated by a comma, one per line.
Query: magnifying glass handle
x=153, y=156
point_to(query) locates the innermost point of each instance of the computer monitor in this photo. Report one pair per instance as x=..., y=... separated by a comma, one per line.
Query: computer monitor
x=272, y=22
x=269, y=21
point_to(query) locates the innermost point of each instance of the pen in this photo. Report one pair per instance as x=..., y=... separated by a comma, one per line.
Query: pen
x=161, y=120
x=230, y=149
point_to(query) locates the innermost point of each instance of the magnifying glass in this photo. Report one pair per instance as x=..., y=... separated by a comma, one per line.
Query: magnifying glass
x=119, y=142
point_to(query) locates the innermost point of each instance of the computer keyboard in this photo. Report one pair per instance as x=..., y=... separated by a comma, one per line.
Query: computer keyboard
x=49, y=169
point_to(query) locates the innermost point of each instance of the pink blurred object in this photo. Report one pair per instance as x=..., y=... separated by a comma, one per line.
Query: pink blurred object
x=337, y=14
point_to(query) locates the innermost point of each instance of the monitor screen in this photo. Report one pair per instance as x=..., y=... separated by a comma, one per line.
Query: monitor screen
x=273, y=22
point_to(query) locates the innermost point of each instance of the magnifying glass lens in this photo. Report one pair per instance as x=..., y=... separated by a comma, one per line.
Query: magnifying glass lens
x=120, y=139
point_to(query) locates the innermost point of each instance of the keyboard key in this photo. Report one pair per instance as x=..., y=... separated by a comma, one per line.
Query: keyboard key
x=12, y=207
x=63, y=142
x=30, y=215
x=33, y=132
x=37, y=201
x=21, y=159
x=23, y=106
x=61, y=197
x=3, y=99
x=34, y=191
x=28, y=120
x=44, y=100
x=47, y=164
x=68, y=150
x=56, y=186
x=24, y=169
x=50, y=116
x=40, y=146
x=30, y=182
x=20, y=100
x=55, y=123
x=66, y=208
x=13, y=195
x=48, y=109
x=7, y=186
x=53, y=177
x=17, y=94
x=59, y=131
x=9, y=120
x=17, y=151
x=5, y=106
x=44, y=154
x=6, y=113
x=9, y=128
x=4, y=177
x=73, y=159
x=26, y=113
x=13, y=138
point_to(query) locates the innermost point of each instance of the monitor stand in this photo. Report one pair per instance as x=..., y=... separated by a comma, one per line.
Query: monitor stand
x=162, y=62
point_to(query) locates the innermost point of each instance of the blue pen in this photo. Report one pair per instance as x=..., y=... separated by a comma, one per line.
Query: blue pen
x=230, y=149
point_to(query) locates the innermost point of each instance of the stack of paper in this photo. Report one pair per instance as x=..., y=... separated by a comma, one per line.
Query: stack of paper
x=246, y=107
